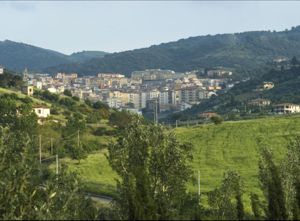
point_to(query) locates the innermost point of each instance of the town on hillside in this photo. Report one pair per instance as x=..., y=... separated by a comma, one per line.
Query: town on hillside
x=145, y=91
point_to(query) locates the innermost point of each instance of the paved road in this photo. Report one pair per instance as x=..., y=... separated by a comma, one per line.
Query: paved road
x=100, y=198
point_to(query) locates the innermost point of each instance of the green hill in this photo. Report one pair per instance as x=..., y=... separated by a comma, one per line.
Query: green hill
x=17, y=56
x=248, y=50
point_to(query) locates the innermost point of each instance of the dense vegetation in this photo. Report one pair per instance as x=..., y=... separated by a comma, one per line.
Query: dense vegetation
x=242, y=51
x=18, y=56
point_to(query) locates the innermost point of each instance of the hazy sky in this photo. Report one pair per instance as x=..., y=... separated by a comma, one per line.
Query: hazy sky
x=120, y=25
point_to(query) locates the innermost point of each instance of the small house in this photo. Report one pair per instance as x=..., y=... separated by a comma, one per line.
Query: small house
x=42, y=111
x=28, y=90
x=207, y=114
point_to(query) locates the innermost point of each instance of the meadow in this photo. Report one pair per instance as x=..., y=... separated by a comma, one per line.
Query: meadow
x=232, y=145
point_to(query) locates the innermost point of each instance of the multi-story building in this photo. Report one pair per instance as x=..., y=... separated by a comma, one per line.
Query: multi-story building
x=190, y=95
x=134, y=98
x=286, y=108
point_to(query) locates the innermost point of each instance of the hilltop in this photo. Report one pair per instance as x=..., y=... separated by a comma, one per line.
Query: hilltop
x=17, y=56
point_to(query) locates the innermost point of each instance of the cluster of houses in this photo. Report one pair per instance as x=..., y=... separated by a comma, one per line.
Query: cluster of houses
x=148, y=90
x=145, y=90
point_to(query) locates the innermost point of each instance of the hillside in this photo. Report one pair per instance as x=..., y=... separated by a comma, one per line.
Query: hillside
x=248, y=50
x=17, y=56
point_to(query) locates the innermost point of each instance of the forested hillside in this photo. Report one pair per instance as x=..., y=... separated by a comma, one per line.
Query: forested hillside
x=248, y=50
x=17, y=56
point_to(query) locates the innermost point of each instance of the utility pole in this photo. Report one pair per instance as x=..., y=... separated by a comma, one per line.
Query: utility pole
x=40, y=148
x=56, y=164
x=176, y=123
x=51, y=145
x=78, y=138
x=155, y=117
x=156, y=113
x=199, y=184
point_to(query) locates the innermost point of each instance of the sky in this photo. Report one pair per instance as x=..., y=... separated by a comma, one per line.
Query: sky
x=114, y=26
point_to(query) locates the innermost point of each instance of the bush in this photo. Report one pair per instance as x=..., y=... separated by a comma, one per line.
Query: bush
x=102, y=131
x=93, y=117
x=67, y=93
x=54, y=110
x=26, y=100
x=68, y=102
x=76, y=98
x=216, y=119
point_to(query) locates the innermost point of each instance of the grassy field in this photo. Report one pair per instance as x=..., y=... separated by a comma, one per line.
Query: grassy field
x=95, y=173
x=233, y=145
x=217, y=148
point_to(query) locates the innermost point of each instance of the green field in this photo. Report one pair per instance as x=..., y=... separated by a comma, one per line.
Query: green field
x=231, y=145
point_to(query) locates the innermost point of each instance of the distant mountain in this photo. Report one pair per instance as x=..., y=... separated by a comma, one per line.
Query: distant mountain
x=17, y=56
x=246, y=50
x=86, y=55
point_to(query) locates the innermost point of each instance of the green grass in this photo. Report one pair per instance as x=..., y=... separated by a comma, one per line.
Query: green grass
x=95, y=173
x=233, y=145
x=217, y=148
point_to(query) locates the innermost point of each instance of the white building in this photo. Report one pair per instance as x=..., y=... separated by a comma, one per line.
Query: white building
x=143, y=99
x=52, y=90
x=163, y=97
x=42, y=111
x=1, y=70
x=286, y=108
x=134, y=98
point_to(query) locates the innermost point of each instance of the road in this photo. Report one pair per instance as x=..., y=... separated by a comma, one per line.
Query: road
x=99, y=198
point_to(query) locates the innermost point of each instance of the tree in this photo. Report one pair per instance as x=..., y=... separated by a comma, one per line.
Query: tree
x=216, y=119
x=28, y=190
x=93, y=117
x=227, y=199
x=100, y=105
x=71, y=134
x=153, y=170
x=291, y=178
x=68, y=93
x=120, y=118
x=255, y=205
x=271, y=184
